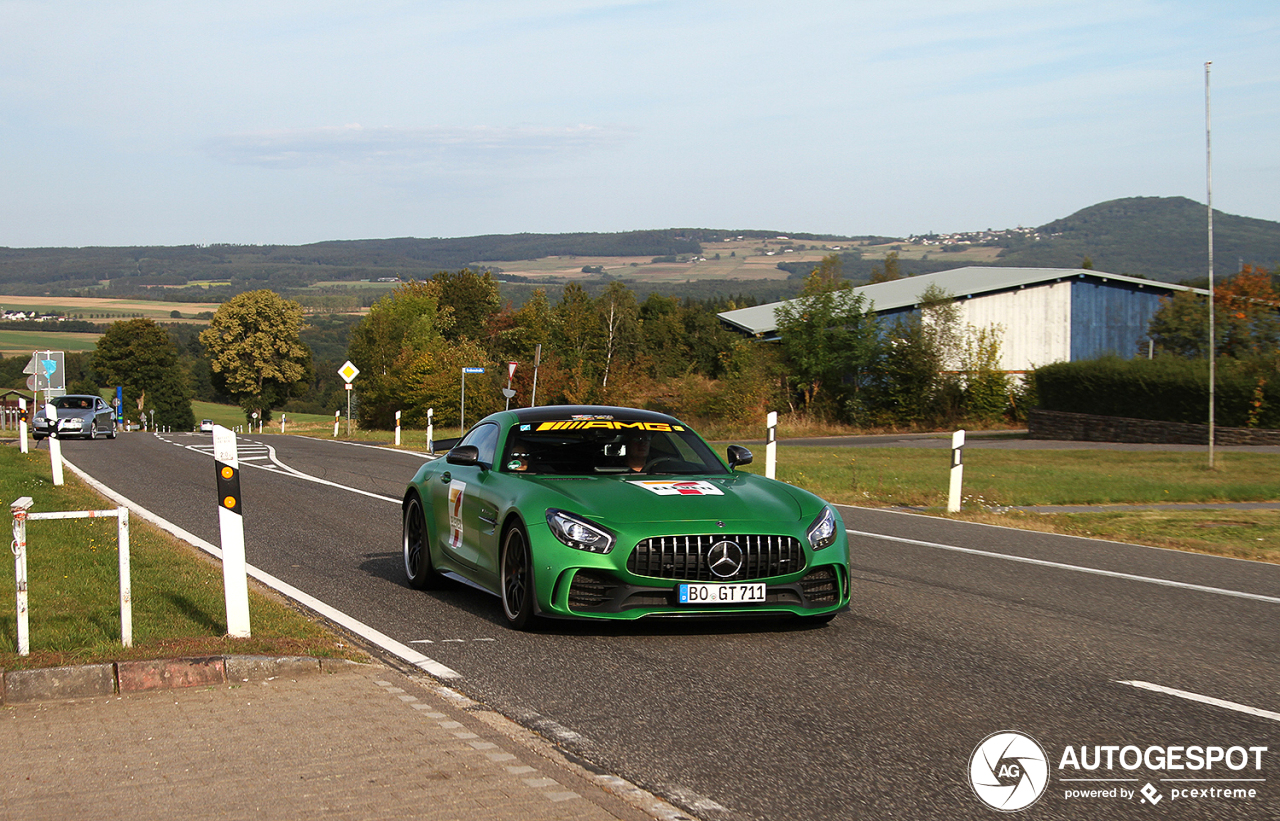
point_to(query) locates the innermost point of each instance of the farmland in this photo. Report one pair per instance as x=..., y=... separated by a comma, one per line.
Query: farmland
x=22, y=343
x=92, y=308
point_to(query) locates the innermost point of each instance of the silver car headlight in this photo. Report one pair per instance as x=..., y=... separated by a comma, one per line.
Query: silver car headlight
x=822, y=533
x=578, y=533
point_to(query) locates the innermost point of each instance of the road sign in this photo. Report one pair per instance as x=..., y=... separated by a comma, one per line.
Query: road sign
x=473, y=370
x=511, y=370
x=48, y=371
x=348, y=372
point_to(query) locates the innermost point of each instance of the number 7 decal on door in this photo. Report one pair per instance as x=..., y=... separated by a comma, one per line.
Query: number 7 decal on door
x=456, y=491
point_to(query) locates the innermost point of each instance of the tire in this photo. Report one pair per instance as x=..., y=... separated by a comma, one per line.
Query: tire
x=93, y=430
x=417, y=552
x=517, y=580
x=111, y=434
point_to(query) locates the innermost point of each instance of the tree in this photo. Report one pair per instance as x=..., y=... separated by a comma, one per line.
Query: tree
x=890, y=271
x=255, y=351
x=575, y=334
x=139, y=355
x=917, y=383
x=829, y=338
x=1246, y=319
x=387, y=346
x=619, y=317
x=986, y=387
x=471, y=297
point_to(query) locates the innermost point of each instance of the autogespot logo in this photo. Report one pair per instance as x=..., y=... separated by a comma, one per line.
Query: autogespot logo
x=1009, y=771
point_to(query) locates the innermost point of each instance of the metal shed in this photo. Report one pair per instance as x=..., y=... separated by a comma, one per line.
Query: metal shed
x=1046, y=314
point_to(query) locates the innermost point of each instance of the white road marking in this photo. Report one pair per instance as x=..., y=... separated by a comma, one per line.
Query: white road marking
x=259, y=451
x=1076, y=568
x=1215, y=702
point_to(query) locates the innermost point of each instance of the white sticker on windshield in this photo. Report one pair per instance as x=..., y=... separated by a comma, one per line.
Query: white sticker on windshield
x=689, y=488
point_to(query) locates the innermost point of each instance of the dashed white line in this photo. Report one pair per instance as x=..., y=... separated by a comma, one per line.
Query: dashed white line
x=1210, y=700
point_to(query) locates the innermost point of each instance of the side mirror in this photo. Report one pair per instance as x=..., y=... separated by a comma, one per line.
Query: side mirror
x=738, y=455
x=465, y=455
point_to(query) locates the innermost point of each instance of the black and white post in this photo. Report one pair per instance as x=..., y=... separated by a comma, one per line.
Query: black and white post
x=55, y=446
x=771, y=446
x=231, y=526
x=957, y=471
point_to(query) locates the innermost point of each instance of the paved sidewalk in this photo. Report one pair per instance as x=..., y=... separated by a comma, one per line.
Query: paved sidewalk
x=367, y=742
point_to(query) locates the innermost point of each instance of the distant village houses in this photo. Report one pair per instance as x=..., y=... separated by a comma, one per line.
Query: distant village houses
x=31, y=316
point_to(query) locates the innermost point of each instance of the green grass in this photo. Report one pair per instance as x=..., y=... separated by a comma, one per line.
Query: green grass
x=909, y=476
x=997, y=479
x=16, y=343
x=178, y=604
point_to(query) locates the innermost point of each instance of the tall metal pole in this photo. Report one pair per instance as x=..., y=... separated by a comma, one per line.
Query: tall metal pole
x=1213, y=339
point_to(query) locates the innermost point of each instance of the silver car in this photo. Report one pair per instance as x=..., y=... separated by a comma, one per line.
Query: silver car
x=78, y=415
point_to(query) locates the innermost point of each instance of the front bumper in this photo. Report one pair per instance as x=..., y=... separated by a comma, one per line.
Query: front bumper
x=590, y=593
x=66, y=427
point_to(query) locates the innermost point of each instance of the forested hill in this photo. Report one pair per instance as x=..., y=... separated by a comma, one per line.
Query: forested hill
x=1164, y=238
x=39, y=270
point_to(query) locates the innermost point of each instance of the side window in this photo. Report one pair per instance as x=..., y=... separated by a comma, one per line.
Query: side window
x=485, y=438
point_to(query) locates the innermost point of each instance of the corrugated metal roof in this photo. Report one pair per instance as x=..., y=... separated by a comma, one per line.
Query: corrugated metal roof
x=959, y=282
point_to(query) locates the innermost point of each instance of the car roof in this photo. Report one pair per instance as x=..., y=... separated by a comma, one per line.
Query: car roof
x=555, y=412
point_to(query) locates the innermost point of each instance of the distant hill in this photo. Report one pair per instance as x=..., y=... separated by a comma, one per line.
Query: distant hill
x=1159, y=238
x=1163, y=238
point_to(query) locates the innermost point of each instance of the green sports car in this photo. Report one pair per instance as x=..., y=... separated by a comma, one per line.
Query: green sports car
x=616, y=513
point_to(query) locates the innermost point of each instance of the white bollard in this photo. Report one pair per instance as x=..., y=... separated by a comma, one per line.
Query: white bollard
x=957, y=471
x=397, y=428
x=431, y=444
x=337, y=415
x=235, y=579
x=55, y=446
x=22, y=424
x=282, y=423
x=771, y=446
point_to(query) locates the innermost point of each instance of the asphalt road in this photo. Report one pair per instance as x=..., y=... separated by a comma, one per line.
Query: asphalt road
x=956, y=631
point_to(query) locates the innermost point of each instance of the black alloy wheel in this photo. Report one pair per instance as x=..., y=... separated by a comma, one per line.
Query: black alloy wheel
x=517, y=580
x=417, y=555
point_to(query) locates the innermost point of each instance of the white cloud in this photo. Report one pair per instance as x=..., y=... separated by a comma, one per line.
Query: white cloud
x=437, y=148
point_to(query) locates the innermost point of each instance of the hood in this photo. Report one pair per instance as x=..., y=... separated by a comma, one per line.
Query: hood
x=624, y=500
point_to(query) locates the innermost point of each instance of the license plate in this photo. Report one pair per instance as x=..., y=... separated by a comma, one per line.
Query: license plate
x=722, y=593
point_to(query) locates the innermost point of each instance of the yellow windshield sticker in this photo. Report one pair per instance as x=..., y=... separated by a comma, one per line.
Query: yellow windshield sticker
x=607, y=424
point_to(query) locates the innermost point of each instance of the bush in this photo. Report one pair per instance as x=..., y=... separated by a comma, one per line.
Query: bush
x=1165, y=389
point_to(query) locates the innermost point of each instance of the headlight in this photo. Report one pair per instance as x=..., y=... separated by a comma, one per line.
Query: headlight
x=822, y=533
x=578, y=533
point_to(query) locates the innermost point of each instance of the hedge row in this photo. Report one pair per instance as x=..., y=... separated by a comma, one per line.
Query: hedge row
x=1165, y=389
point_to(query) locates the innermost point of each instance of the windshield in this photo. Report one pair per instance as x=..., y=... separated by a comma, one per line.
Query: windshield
x=607, y=446
x=72, y=403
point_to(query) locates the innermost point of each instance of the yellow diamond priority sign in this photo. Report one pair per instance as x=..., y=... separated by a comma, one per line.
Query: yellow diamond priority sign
x=348, y=372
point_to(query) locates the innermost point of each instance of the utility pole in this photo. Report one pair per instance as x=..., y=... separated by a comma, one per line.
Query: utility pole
x=1213, y=339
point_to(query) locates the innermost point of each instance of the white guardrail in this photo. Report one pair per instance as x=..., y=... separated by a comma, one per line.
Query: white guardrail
x=22, y=514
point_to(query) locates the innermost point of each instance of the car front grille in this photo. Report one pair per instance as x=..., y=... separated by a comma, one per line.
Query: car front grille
x=687, y=557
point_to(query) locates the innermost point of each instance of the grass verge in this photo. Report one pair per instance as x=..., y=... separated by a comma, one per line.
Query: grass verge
x=178, y=605
x=996, y=480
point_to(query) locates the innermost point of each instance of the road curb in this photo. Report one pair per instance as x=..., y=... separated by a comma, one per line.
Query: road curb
x=90, y=680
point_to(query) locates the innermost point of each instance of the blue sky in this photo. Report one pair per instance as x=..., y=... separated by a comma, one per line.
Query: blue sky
x=276, y=122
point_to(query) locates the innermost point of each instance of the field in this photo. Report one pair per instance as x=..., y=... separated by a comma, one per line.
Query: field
x=91, y=308
x=23, y=343
x=739, y=259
